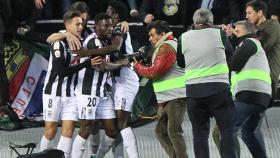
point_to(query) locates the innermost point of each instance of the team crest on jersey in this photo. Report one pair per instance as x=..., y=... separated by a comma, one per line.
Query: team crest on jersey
x=57, y=53
x=56, y=45
x=97, y=43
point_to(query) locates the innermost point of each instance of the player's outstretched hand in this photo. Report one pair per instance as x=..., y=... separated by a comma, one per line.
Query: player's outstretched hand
x=96, y=61
x=73, y=41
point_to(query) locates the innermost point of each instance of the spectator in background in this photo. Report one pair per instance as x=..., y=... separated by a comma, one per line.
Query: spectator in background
x=273, y=9
x=220, y=10
x=24, y=16
x=237, y=9
x=6, y=110
x=268, y=31
x=133, y=8
x=175, y=12
x=96, y=6
x=5, y=14
x=53, y=9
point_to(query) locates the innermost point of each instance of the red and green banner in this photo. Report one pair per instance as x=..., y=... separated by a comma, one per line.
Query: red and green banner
x=26, y=69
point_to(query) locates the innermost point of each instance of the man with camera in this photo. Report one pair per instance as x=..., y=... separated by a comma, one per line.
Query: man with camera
x=169, y=87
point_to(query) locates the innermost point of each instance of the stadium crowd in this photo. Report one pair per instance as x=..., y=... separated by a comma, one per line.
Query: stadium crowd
x=225, y=65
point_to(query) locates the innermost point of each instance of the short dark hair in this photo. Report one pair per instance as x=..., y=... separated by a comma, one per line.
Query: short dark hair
x=80, y=6
x=160, y=26
x=250, y=27
x=120, y=8
x=69, y=15
x=101, y=16
x=258, y=5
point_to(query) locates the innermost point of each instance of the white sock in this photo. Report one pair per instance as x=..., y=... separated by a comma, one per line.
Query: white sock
x=105, y=145
x=129, y=142
x=65, y=145
x=45, y=143
x=94, y=141
x=78, y=147
x=117, y=147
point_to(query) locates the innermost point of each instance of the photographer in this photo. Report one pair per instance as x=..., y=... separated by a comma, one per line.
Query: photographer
x=168, y=83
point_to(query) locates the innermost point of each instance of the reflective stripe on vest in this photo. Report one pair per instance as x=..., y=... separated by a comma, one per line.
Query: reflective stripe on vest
x=256, y=69
x=172, y=80
x=205, y=72
x=253, y=74
x=178, y=82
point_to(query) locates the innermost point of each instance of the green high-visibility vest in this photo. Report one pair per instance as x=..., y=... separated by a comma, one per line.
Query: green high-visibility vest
x=164, y=85
x=172, y=84
x=205, y=56
x=255, y=75
x=204, y=72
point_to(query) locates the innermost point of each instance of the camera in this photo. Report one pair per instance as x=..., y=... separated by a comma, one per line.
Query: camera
x=143, y=54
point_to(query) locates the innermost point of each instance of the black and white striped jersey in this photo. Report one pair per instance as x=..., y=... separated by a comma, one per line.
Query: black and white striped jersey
x=88, y=31
x=91, y=81
x=125, y=74
x=62, y=69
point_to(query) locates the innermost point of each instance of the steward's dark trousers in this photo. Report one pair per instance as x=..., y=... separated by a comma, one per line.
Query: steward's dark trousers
x=248, y=118
x=222, y=108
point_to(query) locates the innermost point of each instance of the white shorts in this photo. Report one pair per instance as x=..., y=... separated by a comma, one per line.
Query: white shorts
x=91, y=108
x=87, y=106
x=123, y=98
x=105, y=109
x=59, y=108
